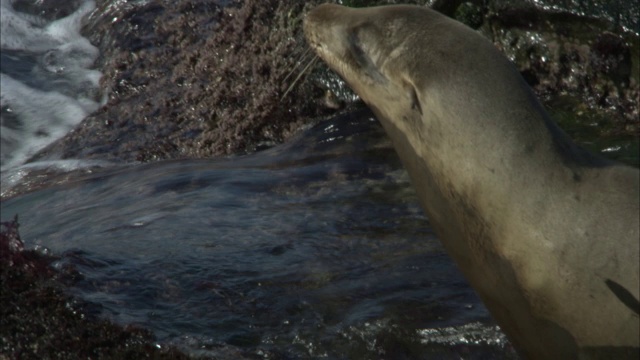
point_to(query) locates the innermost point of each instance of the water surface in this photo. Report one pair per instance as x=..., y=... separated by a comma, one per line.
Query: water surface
x=314, y=248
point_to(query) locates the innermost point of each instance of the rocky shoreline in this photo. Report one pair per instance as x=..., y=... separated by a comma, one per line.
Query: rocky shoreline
x=39, y=321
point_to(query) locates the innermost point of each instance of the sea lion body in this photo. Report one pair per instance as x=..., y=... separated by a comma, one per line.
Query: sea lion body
x=546, y=233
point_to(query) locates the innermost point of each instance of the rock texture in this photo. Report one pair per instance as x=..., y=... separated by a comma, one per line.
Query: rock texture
x=194, y=79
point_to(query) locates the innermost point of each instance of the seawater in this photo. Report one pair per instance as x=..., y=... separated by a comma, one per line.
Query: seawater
x=315, y=248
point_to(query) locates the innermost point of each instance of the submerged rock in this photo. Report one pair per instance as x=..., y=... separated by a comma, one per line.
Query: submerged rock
x=38, y=321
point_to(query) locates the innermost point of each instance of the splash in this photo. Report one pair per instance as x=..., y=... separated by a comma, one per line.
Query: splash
x=46, y=84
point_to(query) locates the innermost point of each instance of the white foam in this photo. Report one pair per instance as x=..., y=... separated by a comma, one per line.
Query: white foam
x=41, y=106
x=20, y=31
x=468, y=334
x=43, y=117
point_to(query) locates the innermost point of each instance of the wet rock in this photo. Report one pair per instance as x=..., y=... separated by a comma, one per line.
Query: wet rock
x=193, y=79
x=574, y=61
x=38, y=321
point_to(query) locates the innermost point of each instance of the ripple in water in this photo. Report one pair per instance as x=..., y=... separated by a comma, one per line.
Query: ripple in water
x=316, y=248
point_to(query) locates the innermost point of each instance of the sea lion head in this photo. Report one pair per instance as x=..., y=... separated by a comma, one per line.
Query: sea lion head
x=362, y=46
x=393, y=55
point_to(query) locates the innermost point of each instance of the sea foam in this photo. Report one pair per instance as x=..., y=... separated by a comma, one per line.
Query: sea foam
x=46, y=84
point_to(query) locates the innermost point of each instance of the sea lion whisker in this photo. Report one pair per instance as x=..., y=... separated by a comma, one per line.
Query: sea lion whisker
x=303, y=59
x=303, y=72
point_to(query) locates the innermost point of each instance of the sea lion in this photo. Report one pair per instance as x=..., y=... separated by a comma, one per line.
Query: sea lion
x=546, y=233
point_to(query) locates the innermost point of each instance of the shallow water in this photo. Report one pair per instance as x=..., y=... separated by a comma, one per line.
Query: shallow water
x=314, y=248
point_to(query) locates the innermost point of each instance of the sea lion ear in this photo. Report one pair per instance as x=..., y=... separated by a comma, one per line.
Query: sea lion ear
x=412, y=94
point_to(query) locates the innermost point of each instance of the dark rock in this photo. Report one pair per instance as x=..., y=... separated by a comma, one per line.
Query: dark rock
x=563, y=54
x=38, y=321
x=191, y=79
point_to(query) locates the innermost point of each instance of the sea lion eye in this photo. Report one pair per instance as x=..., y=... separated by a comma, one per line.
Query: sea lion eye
x=357, y=51
x=361, y=57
